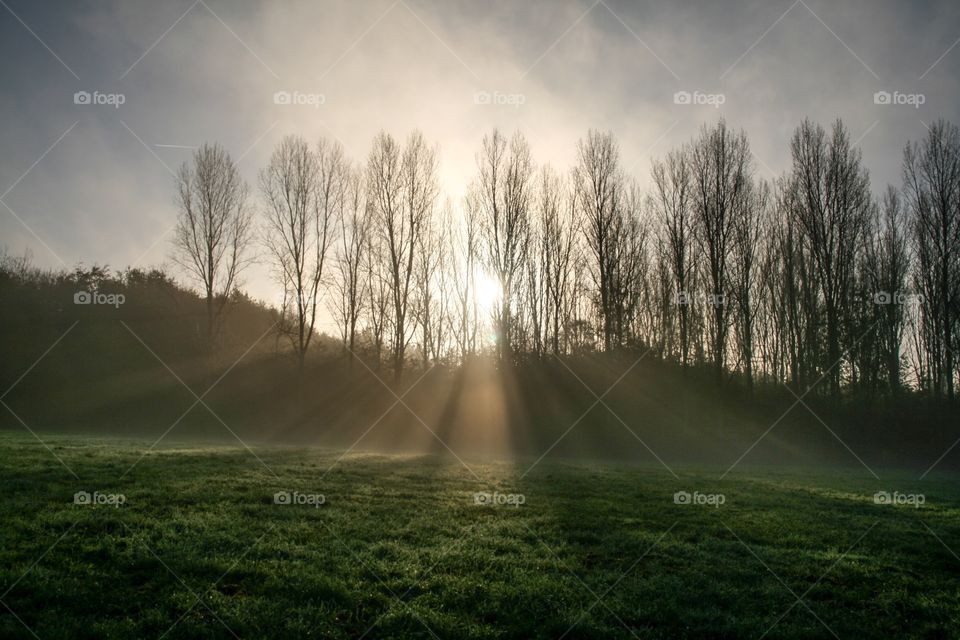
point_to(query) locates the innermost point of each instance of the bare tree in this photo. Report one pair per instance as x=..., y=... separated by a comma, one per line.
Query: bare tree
x=791, y=268
x=832, y=205
x=931, y=170
x=885, y=268
x=672, y=203
x=432, y=287
x=628, y=264
x=558, y=236
x=465, y=240
x=402, y=189
x=303, y=190
x=502, y=193
x=748, y=234
x=598, y=184
x=721, y=174
x=214, y=227
x=349, y=282
x=377, y=287
x=793, y=293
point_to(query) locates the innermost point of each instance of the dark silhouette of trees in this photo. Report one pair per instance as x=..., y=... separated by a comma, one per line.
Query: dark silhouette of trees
x=465, y=244
x=931, y=170
x=721, y=176
x=502, y=197
x=831, y=201
x=600, y=192
x=884, y=269
x=214, y=231
x=303, y=190
x=558, y=231
x=749, y=230
x=672, y=205
x=403, y=189
x=802, y=279
x=348, y=287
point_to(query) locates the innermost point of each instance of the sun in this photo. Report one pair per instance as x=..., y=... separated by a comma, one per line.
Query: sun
x=486, y=291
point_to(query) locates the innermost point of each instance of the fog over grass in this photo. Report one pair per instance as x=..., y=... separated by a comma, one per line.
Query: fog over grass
x=304, y=542
x=487, y=320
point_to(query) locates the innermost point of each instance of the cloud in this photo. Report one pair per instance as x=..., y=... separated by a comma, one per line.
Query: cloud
x=558, y=69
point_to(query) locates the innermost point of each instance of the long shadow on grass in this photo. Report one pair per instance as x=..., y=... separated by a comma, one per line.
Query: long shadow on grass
x=729, y=571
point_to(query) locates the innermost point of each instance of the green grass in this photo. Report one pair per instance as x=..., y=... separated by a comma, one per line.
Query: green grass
x=400, y=550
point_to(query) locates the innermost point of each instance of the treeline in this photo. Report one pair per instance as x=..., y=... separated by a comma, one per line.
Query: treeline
x=39, y=305
x=98, y=350
x=134, y=360
x=808, y=278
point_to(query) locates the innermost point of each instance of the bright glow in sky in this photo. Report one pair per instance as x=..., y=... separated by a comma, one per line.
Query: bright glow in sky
x=92, y=182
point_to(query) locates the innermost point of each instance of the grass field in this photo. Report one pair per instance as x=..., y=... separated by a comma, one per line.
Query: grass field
x=400, y=549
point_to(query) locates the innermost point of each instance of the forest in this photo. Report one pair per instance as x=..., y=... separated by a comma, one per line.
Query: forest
x=817, y=275
x=711, y=306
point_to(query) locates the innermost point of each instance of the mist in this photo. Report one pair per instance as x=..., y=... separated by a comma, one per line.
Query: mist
x=415, y=318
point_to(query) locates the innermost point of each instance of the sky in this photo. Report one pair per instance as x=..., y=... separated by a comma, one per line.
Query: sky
x=102, y=101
